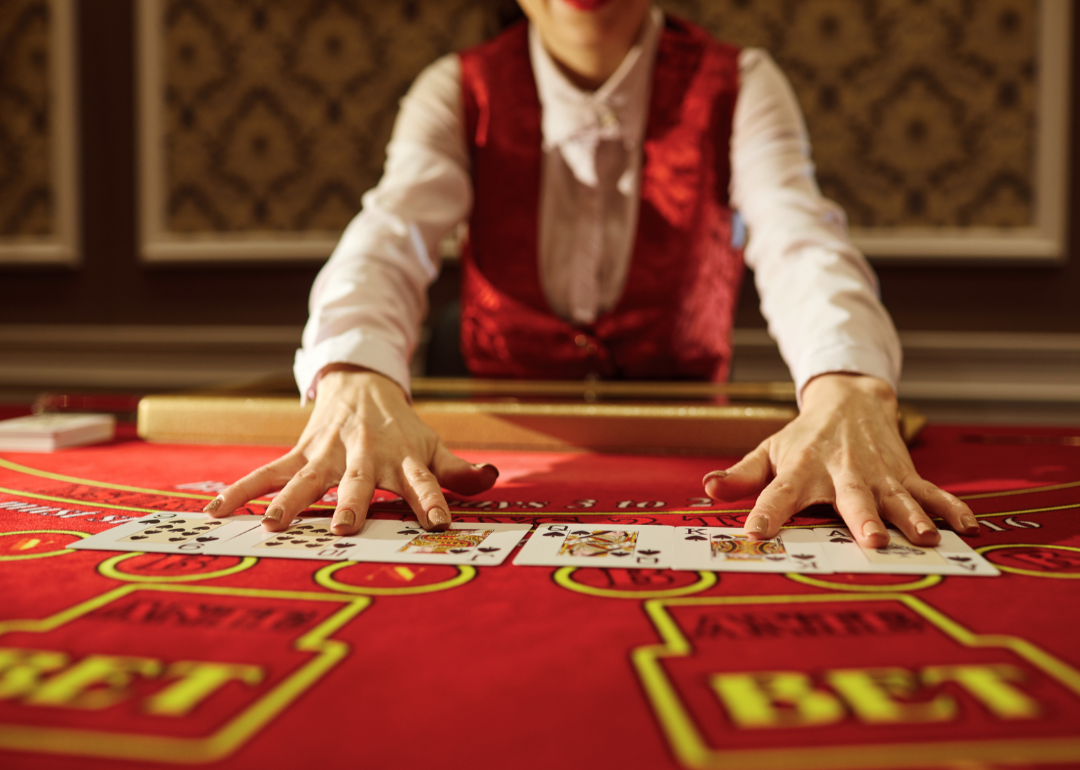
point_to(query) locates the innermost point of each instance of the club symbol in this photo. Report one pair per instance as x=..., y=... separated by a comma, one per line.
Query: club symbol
x=488, y=550
x=345, y=545
x=205, y=539
x=174, y=539
x=138, y=537
x=407, y=532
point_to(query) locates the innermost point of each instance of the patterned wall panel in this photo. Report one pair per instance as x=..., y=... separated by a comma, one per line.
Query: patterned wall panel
x=274, y=115
x=36, y=132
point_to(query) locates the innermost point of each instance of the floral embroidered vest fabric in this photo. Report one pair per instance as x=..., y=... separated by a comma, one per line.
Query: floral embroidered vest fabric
x=674, y=318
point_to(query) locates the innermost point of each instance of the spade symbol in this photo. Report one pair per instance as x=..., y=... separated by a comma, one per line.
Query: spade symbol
x=345, y=545
x=648, y=553
x=138, y=537
x=841, y=540
x=723, y=537
x=553, y=534
x=959, y=558
x=205, y=539
x=459, y=550
x=621, y=553
x=580, y=532
x=697, y=537
x=775, y=558
x=174, y=539
x=802, y=556
x=489, y=550
x=407, y=532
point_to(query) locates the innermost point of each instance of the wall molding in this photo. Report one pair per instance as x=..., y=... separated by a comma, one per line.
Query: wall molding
x=62, y=246
x=975, y=367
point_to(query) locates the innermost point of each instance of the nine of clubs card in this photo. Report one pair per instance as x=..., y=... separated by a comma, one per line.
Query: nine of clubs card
x=724, y=549
x=169, y=533
x=598, y=545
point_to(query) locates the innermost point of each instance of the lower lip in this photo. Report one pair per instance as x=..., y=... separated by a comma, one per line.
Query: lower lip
x=587, y=5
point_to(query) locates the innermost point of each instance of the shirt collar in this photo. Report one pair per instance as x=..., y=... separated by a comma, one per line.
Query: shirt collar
x=616, y=110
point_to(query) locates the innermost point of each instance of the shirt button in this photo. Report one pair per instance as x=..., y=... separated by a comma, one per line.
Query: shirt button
x=581, y=340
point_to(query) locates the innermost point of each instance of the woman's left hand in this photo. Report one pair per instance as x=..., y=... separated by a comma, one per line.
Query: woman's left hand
x=844, y=449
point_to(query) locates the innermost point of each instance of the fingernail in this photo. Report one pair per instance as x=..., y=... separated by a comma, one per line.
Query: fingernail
x=969, y=522
x=346, y=518
x=871, y=528
x=486, y=466
x=714, y=475
x=925, y=528
x=214, y=504
x=757, y=525
x=437, y=517
x=274, y=513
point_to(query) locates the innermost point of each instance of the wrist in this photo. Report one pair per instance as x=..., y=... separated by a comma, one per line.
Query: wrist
x=835, y=389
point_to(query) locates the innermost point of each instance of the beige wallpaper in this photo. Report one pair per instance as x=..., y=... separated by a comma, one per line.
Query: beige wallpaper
x=26, y=187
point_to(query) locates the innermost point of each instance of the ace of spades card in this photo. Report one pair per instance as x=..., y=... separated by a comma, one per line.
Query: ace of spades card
x=951, y=556
x=598, y=545
x=168, y=532
x=399, y=542
x=727, y=549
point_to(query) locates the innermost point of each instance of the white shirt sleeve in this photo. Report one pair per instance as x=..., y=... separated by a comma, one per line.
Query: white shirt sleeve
x=370, y=298
x=818, y=293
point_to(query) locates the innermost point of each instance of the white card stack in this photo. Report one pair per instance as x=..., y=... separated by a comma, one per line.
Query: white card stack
x=49, y=432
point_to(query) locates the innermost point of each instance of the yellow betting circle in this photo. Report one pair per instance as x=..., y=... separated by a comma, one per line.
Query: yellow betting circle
x=61, y=552
x=563, y=578
x=109, y=570
x=916, y=585
x=324, y=577
x=1031, y=572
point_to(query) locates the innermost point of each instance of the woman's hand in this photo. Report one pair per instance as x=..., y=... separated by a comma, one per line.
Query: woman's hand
x=843, y=449
x=363, y=435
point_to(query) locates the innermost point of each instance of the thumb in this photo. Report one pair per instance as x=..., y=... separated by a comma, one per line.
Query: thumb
x=744, y=479
x=460, y=476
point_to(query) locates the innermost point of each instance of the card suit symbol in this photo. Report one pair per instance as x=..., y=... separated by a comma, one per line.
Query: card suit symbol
x=313, y=545
x=648, y=553
x=205, y=539
x=696, y=537
x=841, y=540
x=623, y=553
x=488, y=550
x=775, y=558
x=153, y=523
x=723, y=537
x=174, y=539
x=138, y=537
x=323, y=539
x=199, y=529
x=581, y=532
x=553, y=534
x=802, y=556
x=459, y=550
x=959, y=558
x=273, y=542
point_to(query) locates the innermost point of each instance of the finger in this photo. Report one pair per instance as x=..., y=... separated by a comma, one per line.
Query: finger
x=858, y=508
x=355, y=491
x=306, y=486
x=461, y=476
x=257, y=483
x=898, y=506
x=937, y=502
x=745, y=478
x=420, y=489
x=776, y=504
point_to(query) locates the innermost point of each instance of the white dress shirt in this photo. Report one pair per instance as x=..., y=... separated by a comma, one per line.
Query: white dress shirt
x=817, y=291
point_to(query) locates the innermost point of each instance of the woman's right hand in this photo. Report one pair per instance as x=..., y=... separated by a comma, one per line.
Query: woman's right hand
x=363, y=435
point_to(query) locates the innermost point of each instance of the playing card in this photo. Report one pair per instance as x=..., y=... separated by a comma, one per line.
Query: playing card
x=305, y=539
x=724, y=549
x=463, y=543
x=169, y=533
x=952, y=556
x=599, y=545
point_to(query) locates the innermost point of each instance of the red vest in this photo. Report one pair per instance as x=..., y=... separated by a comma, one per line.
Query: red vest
x=673, y=320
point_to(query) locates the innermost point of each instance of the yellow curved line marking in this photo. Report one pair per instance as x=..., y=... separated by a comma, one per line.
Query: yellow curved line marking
x=324, y=578
x=1028, y=490
x=1031, y=572
x=916, y=585
x=108, y=569
x=563, y=577
x=61, y=552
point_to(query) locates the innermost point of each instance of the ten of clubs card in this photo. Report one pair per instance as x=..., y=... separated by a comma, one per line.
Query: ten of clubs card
x=381, y=541
x=167, y=532
x=598, y=545
x=724, y=549
x=952, y=556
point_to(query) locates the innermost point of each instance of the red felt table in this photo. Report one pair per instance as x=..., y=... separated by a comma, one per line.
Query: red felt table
x=243, y=663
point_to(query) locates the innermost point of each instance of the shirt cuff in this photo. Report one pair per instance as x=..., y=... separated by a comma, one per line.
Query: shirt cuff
x=354, y=347
x=849, y=359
